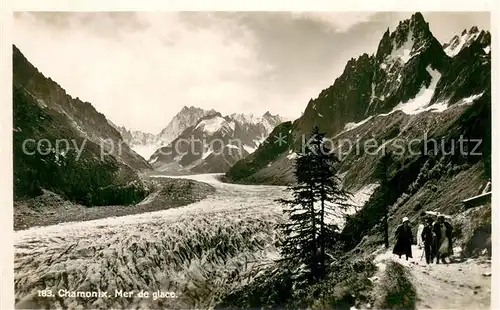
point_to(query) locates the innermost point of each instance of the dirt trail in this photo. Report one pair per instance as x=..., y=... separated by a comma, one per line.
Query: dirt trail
x=458, y=285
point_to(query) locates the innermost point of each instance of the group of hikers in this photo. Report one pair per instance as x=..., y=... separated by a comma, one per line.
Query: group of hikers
x=436, y=238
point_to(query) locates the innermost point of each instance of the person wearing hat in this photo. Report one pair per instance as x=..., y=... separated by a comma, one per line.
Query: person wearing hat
x=404, y=239
x=443, y=231
x=428, y=239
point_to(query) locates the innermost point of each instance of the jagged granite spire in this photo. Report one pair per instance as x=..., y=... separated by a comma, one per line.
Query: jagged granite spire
x=412, y=34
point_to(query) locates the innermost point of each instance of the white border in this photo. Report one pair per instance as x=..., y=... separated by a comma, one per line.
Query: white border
x=7, y=271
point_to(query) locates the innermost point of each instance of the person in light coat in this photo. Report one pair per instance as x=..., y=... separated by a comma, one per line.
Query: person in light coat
x=443, y=232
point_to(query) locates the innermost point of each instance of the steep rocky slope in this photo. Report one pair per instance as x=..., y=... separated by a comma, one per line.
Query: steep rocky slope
x=81, y=116
x=409, y=87
x=64, y=145
x=214, y=143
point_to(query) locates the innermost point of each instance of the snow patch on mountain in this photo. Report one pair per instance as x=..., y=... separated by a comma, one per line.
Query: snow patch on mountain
x=235, y=136
x=423, y=98
x=405, y=52
x=249, y=149
x=437, y=107
x=186, y=118
x=361, y=196
x=351, y=125
x=458, y=43
x=212, y=125
x=246, y=118
x=471, y=99
x=357, y=201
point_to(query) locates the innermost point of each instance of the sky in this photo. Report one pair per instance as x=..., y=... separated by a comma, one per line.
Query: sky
x=141, y=68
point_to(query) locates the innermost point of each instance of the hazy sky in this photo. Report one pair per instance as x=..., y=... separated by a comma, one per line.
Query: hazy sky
x=140, y=69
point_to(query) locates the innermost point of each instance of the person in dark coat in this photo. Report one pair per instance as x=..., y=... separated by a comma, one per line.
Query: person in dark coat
x=404, y=240
x=428, y=239
x=443, y=232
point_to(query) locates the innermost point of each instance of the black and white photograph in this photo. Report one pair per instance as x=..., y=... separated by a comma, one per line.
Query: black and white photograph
x=251, y=159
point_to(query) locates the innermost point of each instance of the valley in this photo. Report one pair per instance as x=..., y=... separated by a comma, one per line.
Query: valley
x=190, y=214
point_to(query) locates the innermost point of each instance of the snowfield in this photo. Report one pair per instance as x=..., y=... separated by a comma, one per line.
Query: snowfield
x=198, y=252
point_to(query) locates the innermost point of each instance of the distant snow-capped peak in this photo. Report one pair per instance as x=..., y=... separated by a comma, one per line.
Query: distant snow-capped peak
x=457, y=43
x=187, y=117
x=214, y=124
x=268, y=120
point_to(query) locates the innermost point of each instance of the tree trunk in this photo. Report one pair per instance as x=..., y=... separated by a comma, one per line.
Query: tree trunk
x=314, y=238
x=386, y=231
x=322, y=225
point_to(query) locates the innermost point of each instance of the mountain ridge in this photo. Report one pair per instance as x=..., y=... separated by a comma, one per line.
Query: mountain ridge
x=418, y=77
x=246, y=130
x=66, y=146
x=146, y=143
x=83, y=116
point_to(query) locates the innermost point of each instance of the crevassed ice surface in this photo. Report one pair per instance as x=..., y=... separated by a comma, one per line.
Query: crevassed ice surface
x=198, y=251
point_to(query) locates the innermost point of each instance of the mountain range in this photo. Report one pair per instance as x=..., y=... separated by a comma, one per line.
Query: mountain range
x=214, y=143
x=146, y=144
x=409, y=86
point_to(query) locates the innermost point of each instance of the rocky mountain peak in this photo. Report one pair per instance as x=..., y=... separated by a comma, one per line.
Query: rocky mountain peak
x=467, y=37
x=417, y=17
x=411, y=36
x=474, y=29
x=186, y=117
x=190, y=109
x=484, y=37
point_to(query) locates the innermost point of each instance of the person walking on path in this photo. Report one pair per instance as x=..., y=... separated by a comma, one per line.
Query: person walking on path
x=427, y=239
x=443, y=231
x=404, y=240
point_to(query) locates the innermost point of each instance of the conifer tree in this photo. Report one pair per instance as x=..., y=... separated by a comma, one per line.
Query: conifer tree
x=300, y=246
x=333, y=200
x=317, y=195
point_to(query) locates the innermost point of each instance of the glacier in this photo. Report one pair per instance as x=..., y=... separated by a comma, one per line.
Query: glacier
x=196, y=253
